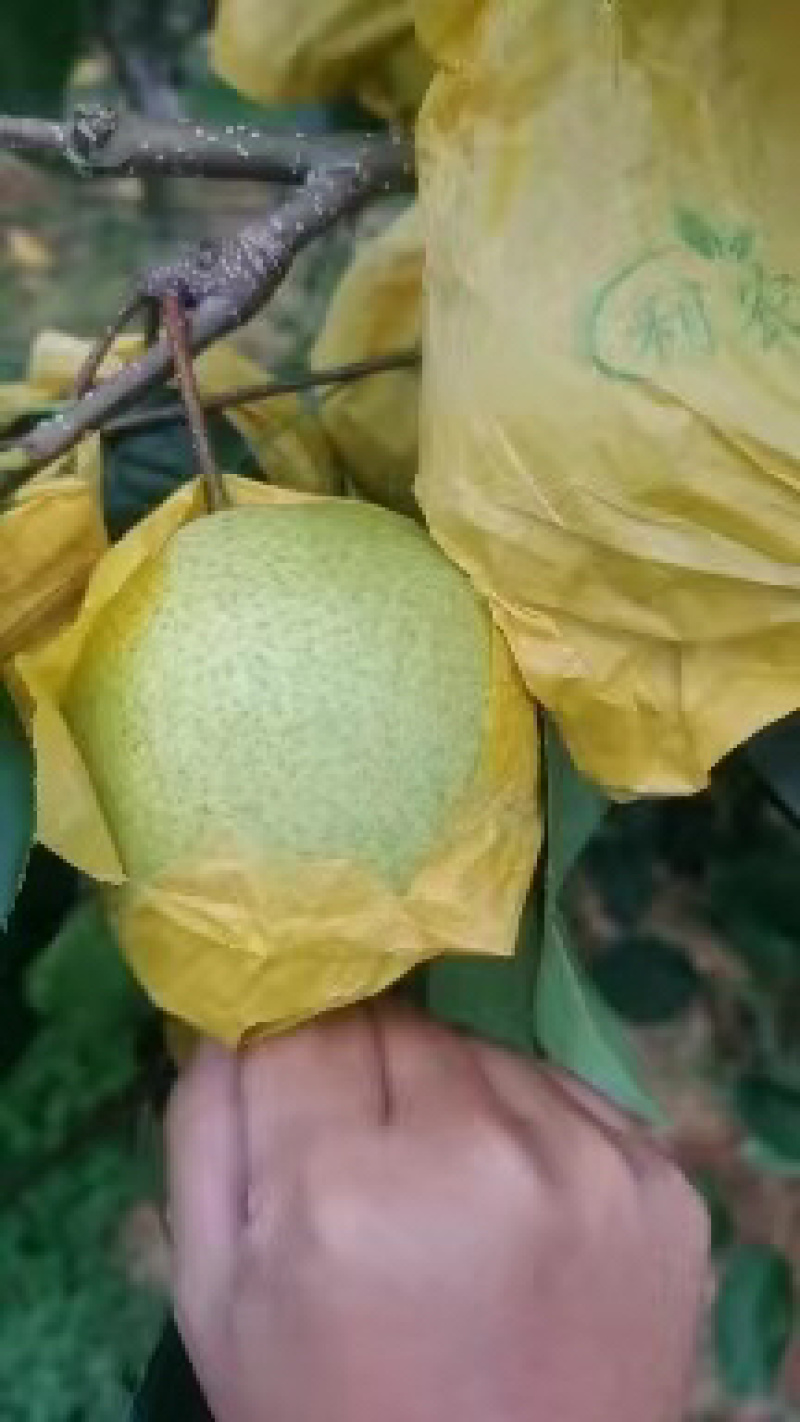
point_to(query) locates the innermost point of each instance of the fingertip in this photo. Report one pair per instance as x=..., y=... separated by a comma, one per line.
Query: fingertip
x=313, y=1080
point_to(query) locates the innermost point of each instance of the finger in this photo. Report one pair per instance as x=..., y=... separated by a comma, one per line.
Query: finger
x=676, y=1209
x=526, y=1084
x=606, y=1112
x=561, y=1109
x=429, y=1069
x=643, y=1142
x=319, y=1079
x=205, y=1173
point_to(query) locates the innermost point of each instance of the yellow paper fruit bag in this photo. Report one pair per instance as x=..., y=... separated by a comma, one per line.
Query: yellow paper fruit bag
x=323, y=49
x=234, y=938
x=611, y=410
x=51, y=537
x=51, y=529
x=375, y=310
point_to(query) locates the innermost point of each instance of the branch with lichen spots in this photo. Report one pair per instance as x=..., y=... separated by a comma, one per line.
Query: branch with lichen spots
x=220, y=286
x=99, y=141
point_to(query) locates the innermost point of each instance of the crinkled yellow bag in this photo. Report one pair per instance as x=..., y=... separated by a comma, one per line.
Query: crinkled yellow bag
x=51, y=536
x=375, y=310
x=277, y=49
x=611, y=404
x=231, y=942
x=51, y=530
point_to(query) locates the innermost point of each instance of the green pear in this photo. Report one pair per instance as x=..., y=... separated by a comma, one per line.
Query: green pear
x=303, y=680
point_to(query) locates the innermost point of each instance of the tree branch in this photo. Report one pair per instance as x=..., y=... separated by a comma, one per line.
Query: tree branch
x=87, y=374
x=334, y=375
x=102, y=142
x=220, y=288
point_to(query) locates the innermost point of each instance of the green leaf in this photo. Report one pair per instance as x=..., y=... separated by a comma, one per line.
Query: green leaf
x=573, y=1025
x=575, y=809
x=143, y=468
x=49, y=890
x=755, y=899
x=82, y=981
x=490, y=996
x=621, y=861
x=17, y=803
x=230, y=448
x=580, y=1033
x=775, y=756
x=772, y=957
x=771, y=1113
x=15, y=426
x=646, y=980
x=718, y=1212
x=753, y=1320
x=497, y=998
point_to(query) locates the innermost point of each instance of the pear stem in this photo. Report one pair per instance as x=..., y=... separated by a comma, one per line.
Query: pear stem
x=176, y=328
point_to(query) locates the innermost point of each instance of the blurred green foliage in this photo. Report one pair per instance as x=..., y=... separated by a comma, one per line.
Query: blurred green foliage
x=74, y=1334
x=39, y=45
x=754, y=1315
x=17, y=799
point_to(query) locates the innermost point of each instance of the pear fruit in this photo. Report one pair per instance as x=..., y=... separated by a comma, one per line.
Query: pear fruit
x=300, y=680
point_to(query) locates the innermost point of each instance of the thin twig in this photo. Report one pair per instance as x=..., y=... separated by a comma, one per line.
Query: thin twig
x=99, y=141
x=87, y=374
x=177, y=332
x=222, y=289
x=266, y=390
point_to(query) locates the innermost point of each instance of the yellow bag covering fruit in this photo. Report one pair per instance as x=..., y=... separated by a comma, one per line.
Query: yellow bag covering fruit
x=51, y=536
x=610, y=434
x=282, y=432
x=235, y=936
x=375, y=309
x=323, y=49
x=51, y=530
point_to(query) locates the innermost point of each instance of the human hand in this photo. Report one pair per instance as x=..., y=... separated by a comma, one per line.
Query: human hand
x=378, y=1220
